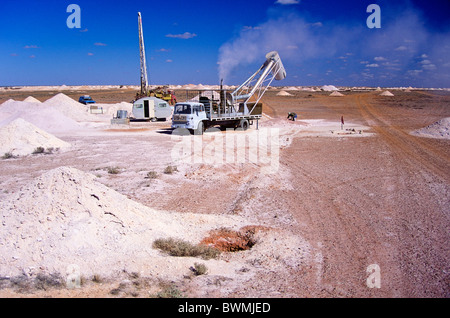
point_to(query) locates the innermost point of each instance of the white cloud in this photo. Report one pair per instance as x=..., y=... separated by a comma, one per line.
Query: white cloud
x=290, y=35
x=99, y=44
x=248, y=28
x=185, y=35
x=414, y=72
x=284, y=2
x=372, y=65
x=379, y=58
x=429, y=67
x=169, y=61
x=401, y=48
x=31, y=47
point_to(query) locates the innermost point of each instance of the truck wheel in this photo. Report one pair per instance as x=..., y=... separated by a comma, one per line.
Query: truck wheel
x=243, y=125
x=153, y=119
x=200, y=129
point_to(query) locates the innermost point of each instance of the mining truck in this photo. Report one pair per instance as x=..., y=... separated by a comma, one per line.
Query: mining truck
x=238, y=109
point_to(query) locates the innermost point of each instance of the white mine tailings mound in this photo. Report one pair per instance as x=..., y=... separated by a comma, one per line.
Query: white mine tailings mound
x=66, y=217
x=284, y=93
x=59, y=114
x=386, y=93
x=329, y=88
x=20, y=137
x=69, y=107
x=39, y=114
x=439, y=129
x=337, y=94
x=31, y=99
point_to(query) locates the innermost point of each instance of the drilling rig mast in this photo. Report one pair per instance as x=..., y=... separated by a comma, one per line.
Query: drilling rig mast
x=144, y=78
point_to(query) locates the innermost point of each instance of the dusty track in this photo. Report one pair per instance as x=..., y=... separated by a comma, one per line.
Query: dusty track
x=420, y=212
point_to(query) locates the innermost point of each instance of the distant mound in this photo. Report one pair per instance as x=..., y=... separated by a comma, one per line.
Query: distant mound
x=386, y=93
x=284, y=93
x=439, y=129
x=329, y=88
x=337, y=94
x=31, y=99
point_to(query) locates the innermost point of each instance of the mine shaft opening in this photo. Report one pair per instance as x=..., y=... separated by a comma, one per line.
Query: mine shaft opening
x=227, y=240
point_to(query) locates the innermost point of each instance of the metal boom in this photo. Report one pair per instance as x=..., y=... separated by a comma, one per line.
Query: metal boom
x=257, y=84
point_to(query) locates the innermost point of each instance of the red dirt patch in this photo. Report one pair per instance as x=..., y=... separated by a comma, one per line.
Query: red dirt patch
x=227, y=240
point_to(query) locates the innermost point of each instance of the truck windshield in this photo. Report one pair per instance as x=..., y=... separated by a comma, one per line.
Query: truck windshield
x=182, y=109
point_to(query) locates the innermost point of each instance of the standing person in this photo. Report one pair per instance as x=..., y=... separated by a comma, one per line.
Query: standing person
x=173, y=98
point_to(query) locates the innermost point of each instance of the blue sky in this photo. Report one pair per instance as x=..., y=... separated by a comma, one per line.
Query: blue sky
x=320, y=42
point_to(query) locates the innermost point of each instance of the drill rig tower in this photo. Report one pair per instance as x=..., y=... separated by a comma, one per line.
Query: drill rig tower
x=144, y=78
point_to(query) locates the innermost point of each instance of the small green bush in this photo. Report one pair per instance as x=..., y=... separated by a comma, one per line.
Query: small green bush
x=170, y=169
x=38, y=150
x=170, y=292
x=152, y=175
x=7, y=155
x=113, y=170
x=199, y=269
x=177, y=247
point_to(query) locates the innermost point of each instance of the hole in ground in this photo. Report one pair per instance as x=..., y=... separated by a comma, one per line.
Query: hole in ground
x=227, y=240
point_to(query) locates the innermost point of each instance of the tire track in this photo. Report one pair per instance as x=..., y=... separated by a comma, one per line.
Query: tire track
x=340, y=226
x=419, y=207
x=408, y=148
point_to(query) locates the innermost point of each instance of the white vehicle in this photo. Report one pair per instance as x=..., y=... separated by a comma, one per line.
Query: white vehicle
x=151, y=108
x=195, y=117
x=230, y=110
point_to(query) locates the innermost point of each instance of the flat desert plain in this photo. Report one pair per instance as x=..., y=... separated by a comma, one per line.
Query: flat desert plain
x=331, y=210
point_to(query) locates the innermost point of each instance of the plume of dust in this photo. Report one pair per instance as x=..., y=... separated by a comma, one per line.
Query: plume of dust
x=291, y=36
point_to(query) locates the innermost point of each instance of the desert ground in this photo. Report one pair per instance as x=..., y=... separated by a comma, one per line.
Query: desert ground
x=333, y=203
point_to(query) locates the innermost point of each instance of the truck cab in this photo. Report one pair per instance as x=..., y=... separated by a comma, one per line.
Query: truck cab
x=189, y=115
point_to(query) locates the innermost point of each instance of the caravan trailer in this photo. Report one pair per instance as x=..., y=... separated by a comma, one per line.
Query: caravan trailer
x=151, y=108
